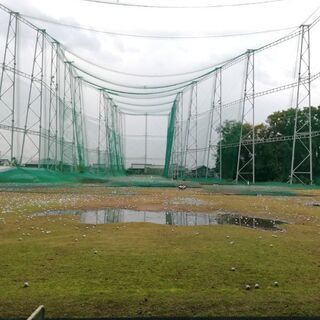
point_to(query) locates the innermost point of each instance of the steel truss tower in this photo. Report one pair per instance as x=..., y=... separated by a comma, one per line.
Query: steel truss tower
x=35, y=105
x=191, y=144
x=246, y=152
x=121, y=138
x=102, y=154
x=106, y=131
x=113, y=135
x=67, y=143
x=54, y=107
x=78, y=124
x=116, y=129
x=301, y=162
x=8, y=88
x=145, y=140
x=109, y=135
x=214, y=137
x=180, y=138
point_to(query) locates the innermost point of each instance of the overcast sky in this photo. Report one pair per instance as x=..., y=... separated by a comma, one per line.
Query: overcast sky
x=158, y=56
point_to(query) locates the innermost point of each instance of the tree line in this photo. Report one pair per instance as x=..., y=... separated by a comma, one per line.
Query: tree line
x=272, y=159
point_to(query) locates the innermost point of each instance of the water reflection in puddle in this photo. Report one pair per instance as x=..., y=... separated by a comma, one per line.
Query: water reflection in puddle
x=108, y=216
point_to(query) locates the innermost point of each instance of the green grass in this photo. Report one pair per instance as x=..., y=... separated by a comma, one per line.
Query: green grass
x=153, y=270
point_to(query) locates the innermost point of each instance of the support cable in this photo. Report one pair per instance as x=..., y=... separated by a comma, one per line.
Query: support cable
x=125, y=4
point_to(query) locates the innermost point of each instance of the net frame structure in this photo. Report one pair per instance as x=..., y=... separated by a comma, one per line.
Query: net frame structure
x=52, y=129
x=44, y=120
x=189, y=158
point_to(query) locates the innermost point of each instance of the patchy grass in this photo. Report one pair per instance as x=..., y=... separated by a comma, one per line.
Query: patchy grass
x=145, y=269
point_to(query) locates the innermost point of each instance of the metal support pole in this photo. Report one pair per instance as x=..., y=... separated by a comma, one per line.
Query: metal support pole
x=62, y=117
x=214, y=121
x=117, y=137
x=73, y=118
x=112, y=135
x=122, y=137
x=68, y=154
x=220, y=128
x=14, y=88
x=105, y=114
x=100, y=127
x=191, y=142
x=42, y=102
x=120, y=140
x=8, y=88
x=108, y=115
x=246, y=153
x=78, y=125
x=35, y=103
x=146, y=142
x=301, y=161
x=178, y=140
x=52, y=151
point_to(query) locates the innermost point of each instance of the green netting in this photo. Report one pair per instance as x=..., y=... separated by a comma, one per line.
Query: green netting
x=144, y=181
x=236, y=126
x=34, y=176
x=65, y=124
x=28, y=177
x=170, y=137
x=55, y=121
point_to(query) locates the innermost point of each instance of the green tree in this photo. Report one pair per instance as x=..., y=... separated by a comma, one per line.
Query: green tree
x=281, y=123
x=273, y=159
x=230, y=135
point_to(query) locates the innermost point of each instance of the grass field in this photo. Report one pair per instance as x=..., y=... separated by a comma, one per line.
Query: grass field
x=138, y=269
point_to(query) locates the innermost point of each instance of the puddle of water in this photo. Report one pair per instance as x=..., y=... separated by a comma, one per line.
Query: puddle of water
x=110, y=215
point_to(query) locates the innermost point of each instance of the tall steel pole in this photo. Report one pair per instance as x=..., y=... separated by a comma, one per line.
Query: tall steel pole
x=35, y=103
x=8, y=87
x=52, y=150
x=214, y=121
x=68, y=154
x=100, y=129
x=146, y=142
x=220, y=128
x=246, y=153
x=78, y=123
x=106, y=131
x=191, y=135
x=301, y=161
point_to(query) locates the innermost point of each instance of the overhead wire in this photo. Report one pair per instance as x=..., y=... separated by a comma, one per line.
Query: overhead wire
x=112, y=70
x=173, y=37
x=227, y=64
x=115, y=92
x=131, y=112
x=126, y=4
x=139, y=87
x=224, y=63
x=143, y=105
x=154, y=75
x=128, y=94
x=137, y=74
x=144, y=111
x=310, y=16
